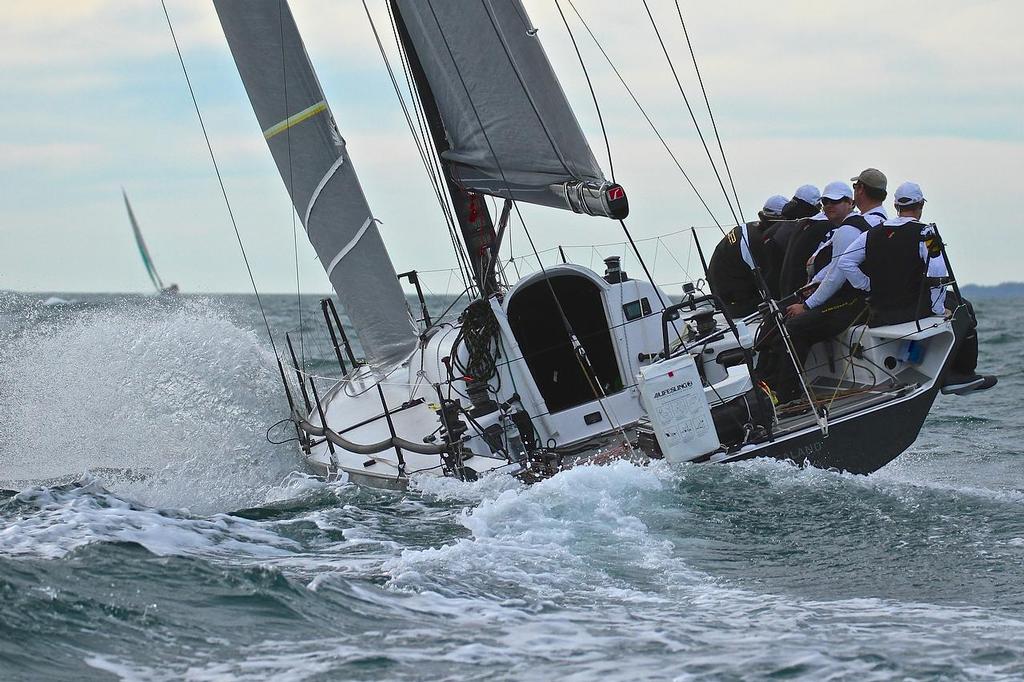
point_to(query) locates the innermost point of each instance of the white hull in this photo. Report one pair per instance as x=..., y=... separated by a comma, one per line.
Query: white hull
x=630, y=329
x=890, y=365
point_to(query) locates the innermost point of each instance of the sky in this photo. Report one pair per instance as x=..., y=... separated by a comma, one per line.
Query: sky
x=95, y=100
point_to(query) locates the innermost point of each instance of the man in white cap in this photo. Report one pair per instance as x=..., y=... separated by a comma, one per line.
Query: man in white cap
x=833, y=307
x=732, y=270
x=892, y=263
x=891, y=260
x=795, y=213
x=837, y=203
x=772, y=208
x=804, y=203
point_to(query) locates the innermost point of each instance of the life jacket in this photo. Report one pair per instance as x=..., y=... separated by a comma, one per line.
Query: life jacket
x=776, y=241
x=892, y=260
x=825, y=252
x=803, y=243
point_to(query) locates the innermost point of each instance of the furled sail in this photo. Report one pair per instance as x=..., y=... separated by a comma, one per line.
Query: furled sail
x=510, y=129
x=316, y=169
x=147, y=260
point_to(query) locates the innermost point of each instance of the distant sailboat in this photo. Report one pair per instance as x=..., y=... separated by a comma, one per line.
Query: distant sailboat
x=147, y=260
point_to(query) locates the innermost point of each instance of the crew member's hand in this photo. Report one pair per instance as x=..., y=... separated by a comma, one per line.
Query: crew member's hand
x=796, y=309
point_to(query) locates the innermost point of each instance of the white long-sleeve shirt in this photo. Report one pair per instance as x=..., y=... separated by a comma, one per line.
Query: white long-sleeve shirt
x=830, y=277
x=849, y=263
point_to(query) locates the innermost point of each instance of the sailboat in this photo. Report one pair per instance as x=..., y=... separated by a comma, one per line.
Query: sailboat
x=566, y=365
x=147, y=260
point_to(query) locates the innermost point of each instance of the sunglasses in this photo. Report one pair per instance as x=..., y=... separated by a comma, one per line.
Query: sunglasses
x=829, y=202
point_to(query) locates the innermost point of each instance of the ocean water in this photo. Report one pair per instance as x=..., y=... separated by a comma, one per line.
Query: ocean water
x=215, y=557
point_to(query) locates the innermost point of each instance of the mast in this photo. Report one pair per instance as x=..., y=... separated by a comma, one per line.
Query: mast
x=471, y=210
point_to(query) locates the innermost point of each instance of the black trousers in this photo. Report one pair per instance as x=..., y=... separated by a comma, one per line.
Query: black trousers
x=814, y=326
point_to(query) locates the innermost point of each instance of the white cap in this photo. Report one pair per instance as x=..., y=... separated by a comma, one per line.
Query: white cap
x=807, y=193
x=773, y=206
x=837, y=190
x=908, y=194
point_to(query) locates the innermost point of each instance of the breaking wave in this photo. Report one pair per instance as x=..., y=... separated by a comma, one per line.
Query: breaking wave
x=169, y=397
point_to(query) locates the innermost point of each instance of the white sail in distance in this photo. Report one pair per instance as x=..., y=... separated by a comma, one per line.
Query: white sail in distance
x=311, y=156
x=147, y=260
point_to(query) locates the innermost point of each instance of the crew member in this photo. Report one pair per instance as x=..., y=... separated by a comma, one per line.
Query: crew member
x=806, y=239
x=771, y=212
x=892, y=263
x=797, y=216
x=732, y=270
x=868, y=194
x=888, y=263
x=804, y=204
x=820, y=317
x=771, y=260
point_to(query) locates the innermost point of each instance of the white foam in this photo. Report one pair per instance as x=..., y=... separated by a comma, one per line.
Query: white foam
x=127, y=672
x=57, y=300
x=548, y=537
x=65, y=520
x=294, y=485
x=451, y=489
x=178, y=390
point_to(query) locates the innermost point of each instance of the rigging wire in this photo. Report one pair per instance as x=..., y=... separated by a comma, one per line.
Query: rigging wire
x=684, y=269
x=593, y=95
x=431, y=156
x=419, y=139
x=689, y=108
x=707, y=102
x=220, y=179
x=611, y=165
x=291, y=180
x=643, y=111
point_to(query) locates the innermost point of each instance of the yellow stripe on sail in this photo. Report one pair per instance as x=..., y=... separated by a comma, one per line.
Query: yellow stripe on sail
x=295, y=119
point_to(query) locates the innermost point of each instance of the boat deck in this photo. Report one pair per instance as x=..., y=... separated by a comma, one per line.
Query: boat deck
x=842, y=398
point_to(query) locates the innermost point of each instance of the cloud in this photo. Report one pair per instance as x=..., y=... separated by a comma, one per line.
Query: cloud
x=803, y=91
x=44, y=154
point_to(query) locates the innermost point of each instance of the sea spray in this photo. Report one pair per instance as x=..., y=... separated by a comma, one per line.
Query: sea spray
x=176, y=392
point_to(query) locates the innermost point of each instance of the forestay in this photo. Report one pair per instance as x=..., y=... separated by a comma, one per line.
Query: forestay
x=510, y=128
x=314, y=164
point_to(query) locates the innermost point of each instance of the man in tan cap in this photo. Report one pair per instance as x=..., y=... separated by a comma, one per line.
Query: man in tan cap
x=868, y=195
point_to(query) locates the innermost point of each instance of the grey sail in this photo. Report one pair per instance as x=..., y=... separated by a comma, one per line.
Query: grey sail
x=314, y=164
x=509, y=127
x=147, y=260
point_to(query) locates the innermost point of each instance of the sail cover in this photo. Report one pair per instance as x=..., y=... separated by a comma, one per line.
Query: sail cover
x=510, y=129
x=316, y=169
x=147, y=260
